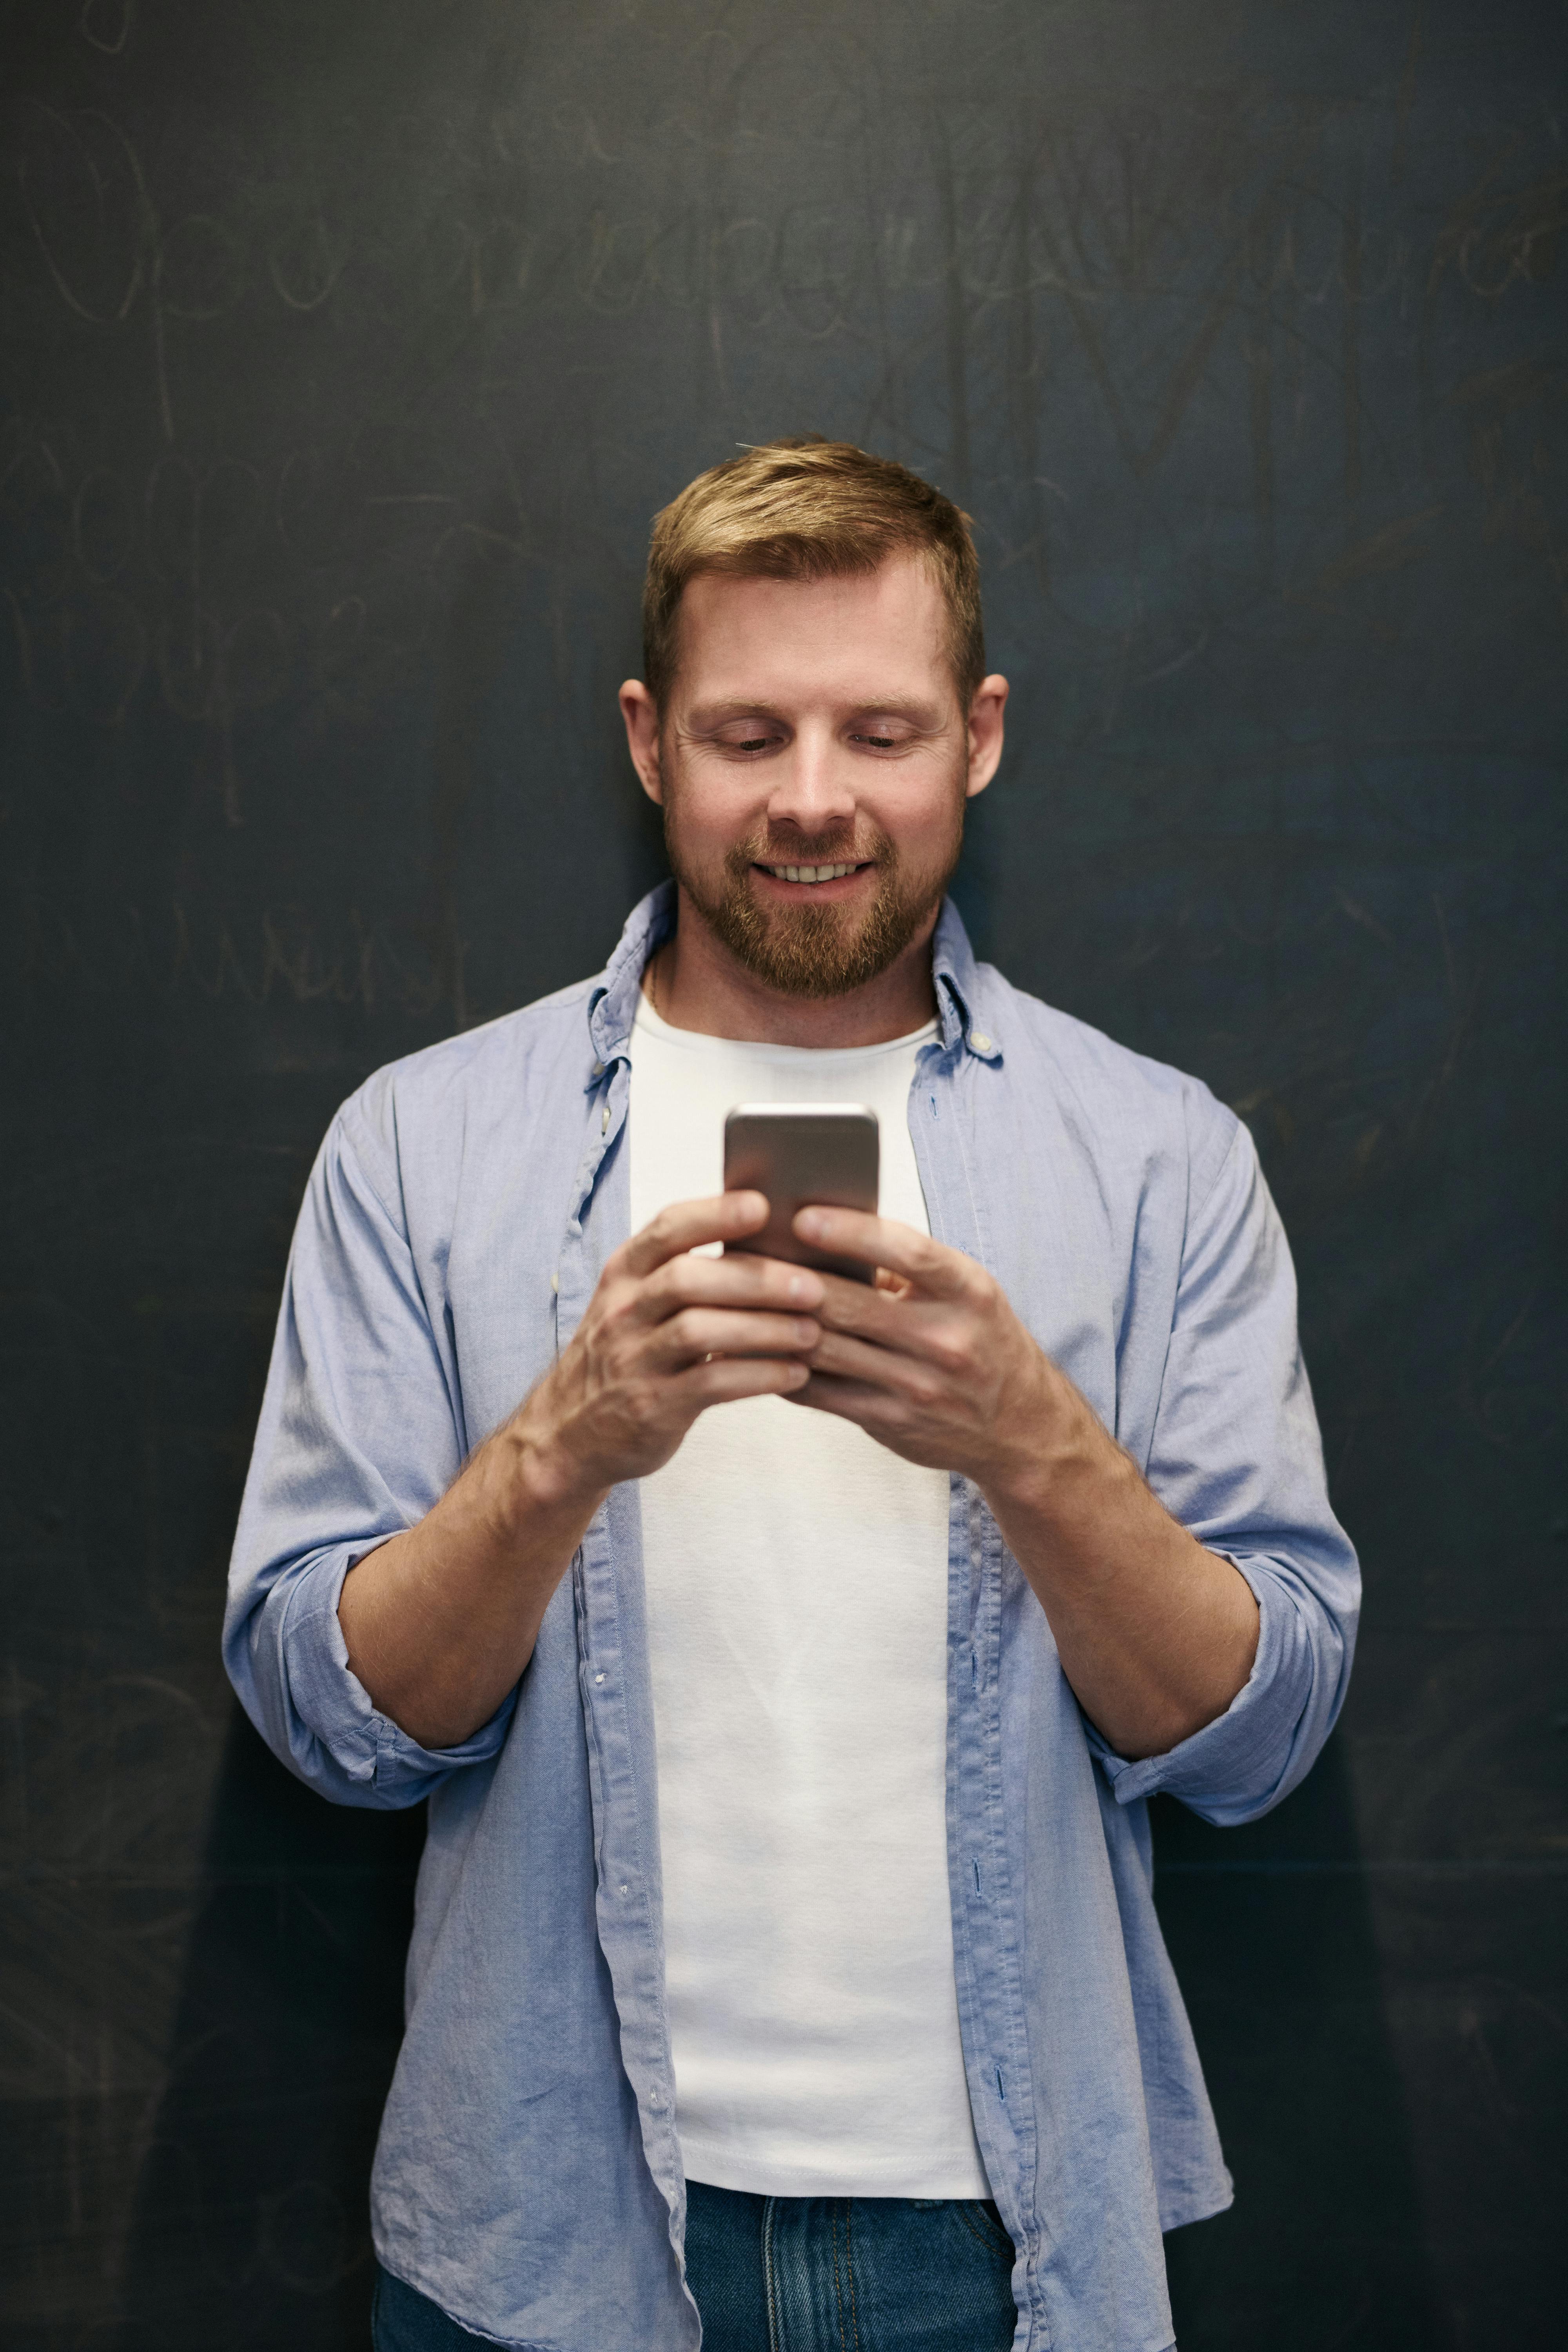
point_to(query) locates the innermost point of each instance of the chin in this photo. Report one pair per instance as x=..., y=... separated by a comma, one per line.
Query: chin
x=818, y=951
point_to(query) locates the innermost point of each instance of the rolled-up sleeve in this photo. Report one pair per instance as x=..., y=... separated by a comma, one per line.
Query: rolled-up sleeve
x=358, y=1437
x=1237, y=1459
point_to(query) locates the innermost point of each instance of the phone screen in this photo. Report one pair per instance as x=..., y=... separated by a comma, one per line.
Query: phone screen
x=803, y=1155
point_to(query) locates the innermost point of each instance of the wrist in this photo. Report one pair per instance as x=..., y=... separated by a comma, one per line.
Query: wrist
x=1059, y=1456
x=541, y=1479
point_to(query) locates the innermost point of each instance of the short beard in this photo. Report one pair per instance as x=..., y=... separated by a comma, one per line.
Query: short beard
x=812, y=951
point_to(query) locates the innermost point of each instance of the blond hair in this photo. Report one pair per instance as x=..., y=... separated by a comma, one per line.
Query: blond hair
x=809, y=508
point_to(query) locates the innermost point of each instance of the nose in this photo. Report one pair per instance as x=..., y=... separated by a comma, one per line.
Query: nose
x=812, y=784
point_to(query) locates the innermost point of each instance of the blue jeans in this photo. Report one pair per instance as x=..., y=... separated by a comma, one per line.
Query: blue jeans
x=804, y=2274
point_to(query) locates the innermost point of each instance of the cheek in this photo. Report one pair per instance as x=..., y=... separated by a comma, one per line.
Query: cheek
x=715, y=810
x=920, y=823
x=702, y=826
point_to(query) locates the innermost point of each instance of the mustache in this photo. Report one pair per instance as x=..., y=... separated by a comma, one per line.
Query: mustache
x=810, y=849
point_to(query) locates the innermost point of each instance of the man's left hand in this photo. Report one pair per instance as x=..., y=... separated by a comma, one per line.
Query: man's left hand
x=1155, y=1634
x=932, y=1362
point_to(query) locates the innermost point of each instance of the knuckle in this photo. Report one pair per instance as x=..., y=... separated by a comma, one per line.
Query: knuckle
x=663, y=1286
x=611, y=1335
x=664, y=1232
x=645, y=1402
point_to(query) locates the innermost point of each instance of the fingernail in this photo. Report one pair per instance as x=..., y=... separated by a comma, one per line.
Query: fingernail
x=806, y=1333
x=803, y=1290
x=809, y=1222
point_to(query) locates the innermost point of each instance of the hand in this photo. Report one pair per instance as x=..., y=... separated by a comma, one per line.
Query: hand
x=1155, y=1634
x=932, y=1362
x=665, y=1335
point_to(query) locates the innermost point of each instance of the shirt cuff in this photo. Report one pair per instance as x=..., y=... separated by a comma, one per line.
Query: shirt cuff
x=1238, y=1764
x=333, y=1722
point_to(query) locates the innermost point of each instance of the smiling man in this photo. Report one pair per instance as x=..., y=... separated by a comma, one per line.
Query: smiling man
x=788, y=1661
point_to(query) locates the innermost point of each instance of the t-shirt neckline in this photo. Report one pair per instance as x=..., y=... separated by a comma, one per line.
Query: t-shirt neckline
x=700, y=1040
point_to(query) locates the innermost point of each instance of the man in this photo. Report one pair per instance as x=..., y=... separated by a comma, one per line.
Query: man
x=787, y=1661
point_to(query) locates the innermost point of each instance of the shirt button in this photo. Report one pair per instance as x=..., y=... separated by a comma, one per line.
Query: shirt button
x=605, y=1120
x=598, y=1069
x=555, y=1284
x=599, y=1678
x=980, y=1041
x=625, y=1889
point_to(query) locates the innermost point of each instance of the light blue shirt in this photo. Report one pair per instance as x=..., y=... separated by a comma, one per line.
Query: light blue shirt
x=528, y=2176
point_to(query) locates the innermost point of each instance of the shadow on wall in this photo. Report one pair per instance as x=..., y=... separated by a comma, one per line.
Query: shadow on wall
x=1271, y=1930
x=251, y=2227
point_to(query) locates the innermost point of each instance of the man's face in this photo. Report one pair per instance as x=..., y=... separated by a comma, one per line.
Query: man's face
x=813, y=767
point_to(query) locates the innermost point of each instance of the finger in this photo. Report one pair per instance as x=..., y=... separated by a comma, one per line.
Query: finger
x=890, y=1374
x=687, y=1224
x=846, y=1400
x=941, y=1272
x=897, y=1320
x=887, y=1317
x=699, y=1332
x=740, y=1280
x=729, y=1378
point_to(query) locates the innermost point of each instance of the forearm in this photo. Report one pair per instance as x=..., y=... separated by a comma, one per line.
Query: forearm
x=441, y=1621
x=1155, y=1634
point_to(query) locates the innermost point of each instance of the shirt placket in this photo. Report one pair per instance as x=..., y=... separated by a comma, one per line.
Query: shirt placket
x=986, y=1946
x=612, y=1673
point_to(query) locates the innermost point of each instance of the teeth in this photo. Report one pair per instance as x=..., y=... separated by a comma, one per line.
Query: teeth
x=810, y=873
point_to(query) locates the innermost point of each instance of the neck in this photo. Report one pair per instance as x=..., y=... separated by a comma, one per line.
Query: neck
x=694, y=982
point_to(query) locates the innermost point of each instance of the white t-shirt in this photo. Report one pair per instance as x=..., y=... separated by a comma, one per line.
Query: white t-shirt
x=796, y=1576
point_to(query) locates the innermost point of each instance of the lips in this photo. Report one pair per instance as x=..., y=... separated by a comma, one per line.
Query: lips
x=812, y=873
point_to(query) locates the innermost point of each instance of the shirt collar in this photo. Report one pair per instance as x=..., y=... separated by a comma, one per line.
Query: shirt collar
x=955, y=976
x=613, y=1002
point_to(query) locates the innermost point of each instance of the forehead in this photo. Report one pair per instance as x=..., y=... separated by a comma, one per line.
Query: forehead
x=842, y=639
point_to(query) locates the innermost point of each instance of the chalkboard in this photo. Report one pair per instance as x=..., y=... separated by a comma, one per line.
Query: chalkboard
x=345, y=352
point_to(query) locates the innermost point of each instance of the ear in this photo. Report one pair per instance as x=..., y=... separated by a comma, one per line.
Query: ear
x=986, y=731
x=640, y=713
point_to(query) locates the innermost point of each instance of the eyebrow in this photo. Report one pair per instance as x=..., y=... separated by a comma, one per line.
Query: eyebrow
x=921, y=715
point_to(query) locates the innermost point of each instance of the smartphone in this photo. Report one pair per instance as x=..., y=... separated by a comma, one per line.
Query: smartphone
x=803, y=1155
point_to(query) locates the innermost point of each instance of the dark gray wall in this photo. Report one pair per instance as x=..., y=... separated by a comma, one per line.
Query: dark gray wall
x=345, y=351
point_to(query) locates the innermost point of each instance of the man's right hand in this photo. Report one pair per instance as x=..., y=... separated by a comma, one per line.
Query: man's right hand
x=665, y=1335
x=440, y=1620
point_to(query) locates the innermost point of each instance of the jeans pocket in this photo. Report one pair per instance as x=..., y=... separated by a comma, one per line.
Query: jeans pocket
x=980, y=2218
